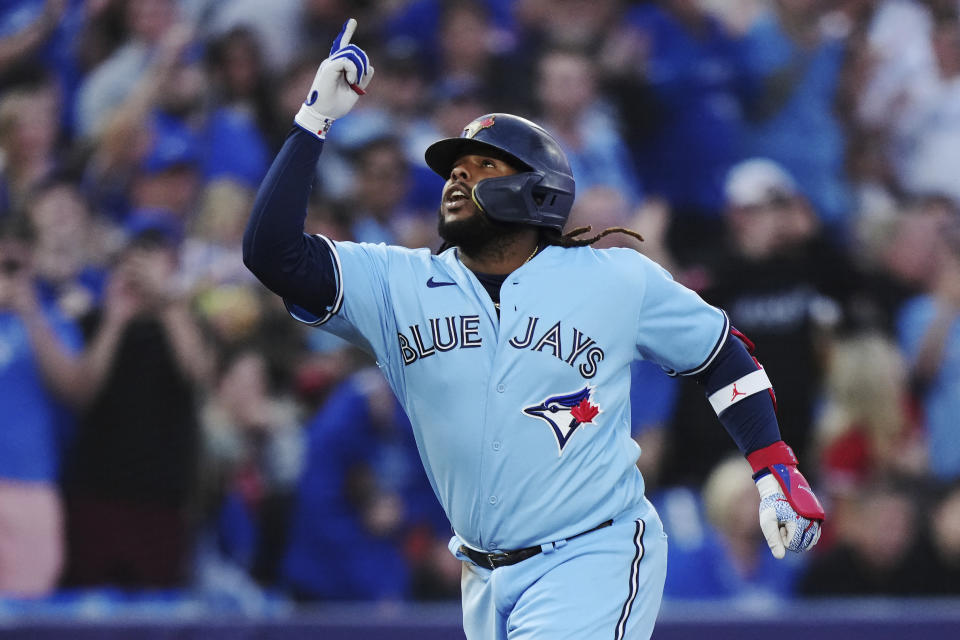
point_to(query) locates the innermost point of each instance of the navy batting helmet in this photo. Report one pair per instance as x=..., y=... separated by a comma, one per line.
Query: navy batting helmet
x=540, y=194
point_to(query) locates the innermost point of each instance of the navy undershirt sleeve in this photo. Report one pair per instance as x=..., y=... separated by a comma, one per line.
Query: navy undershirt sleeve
x=752, y=422
x=297, y=266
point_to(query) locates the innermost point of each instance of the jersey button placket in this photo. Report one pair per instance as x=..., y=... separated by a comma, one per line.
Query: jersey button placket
x=500, y=372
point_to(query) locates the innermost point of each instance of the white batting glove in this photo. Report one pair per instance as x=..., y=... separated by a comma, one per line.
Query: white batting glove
x=340, y=81
x=783, y=527
x=790, y=514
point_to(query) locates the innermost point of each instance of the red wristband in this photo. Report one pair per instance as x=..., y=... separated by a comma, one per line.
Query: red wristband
x=781, y=462
x=777, y=453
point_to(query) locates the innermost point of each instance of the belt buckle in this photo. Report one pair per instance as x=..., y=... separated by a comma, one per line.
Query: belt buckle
x=496, y=560
x=482, y=559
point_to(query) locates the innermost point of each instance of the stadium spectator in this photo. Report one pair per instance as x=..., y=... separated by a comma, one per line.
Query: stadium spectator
x=26, y=27
x=134, y=141
x=472, y=51
x=145, y=53
x=433, y=29
x=166, y=182
x=363, y=503
x=42, y=34
x=680, y=87
x=894, y=246
x=252, y=459
x=211, y=249
x=867, y=426
x=929, y=132
x=782, y=285
x=899, y=63
x=882, y=68
x=944, y=523
x=570, y=109
x=71, y=245
x=380, y=207
x=578, y=24
x=36, y=424
x=182, y=128
x=794, y=53
x=737, y=15
x=131, y=475
x=877, y=552
x=929, y=334
x=29, y=126
x=653, y=399
x=240, y=78
x=406, y=97
x=278, y=25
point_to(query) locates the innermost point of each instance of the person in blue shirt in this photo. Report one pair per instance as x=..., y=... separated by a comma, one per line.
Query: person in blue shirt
x=928, y=328
x=362, y=495
x=795, y=63
x=36, y=425
x=44, y=33
x=681, y=93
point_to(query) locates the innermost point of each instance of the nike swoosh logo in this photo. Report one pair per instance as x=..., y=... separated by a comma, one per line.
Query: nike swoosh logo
x=433, y=284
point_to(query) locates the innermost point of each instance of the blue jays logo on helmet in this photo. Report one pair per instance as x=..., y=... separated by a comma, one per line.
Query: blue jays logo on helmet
x=472, y=129
x=565, y=413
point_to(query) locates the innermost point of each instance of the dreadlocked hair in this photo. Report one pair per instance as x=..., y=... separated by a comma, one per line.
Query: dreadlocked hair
x=570, y=239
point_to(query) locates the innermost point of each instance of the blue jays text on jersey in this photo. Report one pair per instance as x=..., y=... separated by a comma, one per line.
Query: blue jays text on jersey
x=522, y=420
x=452, y=332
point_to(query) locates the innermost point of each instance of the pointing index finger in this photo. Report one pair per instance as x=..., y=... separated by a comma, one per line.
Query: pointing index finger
x=346, y=33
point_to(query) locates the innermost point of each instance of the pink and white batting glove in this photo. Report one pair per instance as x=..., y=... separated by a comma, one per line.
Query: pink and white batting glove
x=790, y=514
x=340, y=81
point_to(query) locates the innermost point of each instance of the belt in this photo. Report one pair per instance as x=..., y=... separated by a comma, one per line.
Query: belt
x=506, y=558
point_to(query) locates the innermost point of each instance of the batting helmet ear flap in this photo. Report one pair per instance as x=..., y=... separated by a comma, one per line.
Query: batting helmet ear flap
x=530, y=197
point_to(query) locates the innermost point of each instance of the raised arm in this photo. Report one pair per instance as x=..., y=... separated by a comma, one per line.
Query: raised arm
x=287, y=261
x=294, y=265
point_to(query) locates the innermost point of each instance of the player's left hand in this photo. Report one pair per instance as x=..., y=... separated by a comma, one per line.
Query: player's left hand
x=340, y=81
x=790, y=514
x=782, y=526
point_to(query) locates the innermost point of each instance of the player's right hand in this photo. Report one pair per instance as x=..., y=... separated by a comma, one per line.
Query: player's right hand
x=339, y=82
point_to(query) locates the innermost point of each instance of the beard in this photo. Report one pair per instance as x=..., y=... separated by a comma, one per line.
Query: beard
x=478, y=235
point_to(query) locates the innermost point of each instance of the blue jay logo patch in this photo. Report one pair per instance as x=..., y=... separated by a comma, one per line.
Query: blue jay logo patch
x=565, y=413
x=476, y=126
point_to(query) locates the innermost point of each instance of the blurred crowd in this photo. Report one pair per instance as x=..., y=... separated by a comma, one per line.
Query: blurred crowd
x=165, y=425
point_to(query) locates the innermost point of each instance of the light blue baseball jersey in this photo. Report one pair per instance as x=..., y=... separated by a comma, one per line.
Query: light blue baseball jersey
x=522, y=421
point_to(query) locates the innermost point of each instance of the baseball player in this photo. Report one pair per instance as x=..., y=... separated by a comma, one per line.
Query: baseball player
x=510, y=351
